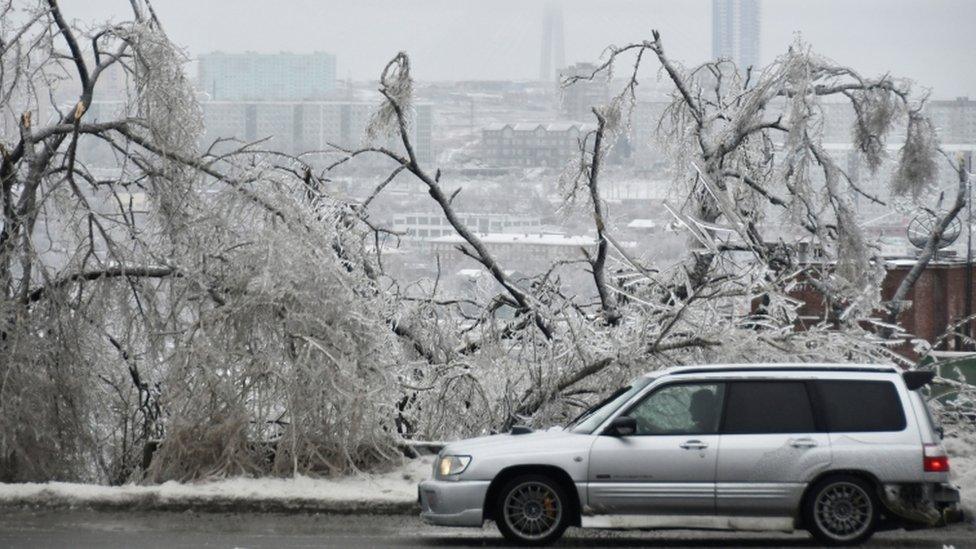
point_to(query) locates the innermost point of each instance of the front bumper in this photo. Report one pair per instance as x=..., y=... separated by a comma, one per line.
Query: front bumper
x=452, y=503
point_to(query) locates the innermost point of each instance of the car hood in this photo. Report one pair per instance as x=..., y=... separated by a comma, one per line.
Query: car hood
x=551, y=440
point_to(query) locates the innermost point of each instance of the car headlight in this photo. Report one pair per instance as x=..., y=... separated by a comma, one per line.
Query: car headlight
x=452, y=465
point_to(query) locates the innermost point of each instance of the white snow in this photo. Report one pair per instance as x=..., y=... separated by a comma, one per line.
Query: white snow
x=394, y=489
x=962, y=470
x=642, y=224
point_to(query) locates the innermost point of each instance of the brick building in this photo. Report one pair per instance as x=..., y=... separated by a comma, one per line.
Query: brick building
x=938, y=300
x=532, y=145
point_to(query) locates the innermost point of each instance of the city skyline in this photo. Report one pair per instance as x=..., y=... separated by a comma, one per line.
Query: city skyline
x=500, y=40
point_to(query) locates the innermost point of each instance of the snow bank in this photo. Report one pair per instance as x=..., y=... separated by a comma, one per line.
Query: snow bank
x=391, y=492
x=962, y=469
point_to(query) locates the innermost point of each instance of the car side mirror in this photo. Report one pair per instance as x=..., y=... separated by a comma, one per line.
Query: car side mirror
x=621, y=426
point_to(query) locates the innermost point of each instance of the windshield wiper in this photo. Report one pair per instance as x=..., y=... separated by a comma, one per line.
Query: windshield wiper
x=589, y=411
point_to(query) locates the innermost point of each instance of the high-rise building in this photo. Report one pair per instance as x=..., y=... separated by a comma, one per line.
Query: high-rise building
x=267, y=77
x=299, y=126
x=646, y=152
x=553, y=42
x=292, y=127
x=576, y=101
x=735, y=31
x=954, y=120
x=427, y=224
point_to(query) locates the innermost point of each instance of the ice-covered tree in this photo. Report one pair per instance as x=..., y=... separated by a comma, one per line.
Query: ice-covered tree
x=746, y=152
x=206, y=302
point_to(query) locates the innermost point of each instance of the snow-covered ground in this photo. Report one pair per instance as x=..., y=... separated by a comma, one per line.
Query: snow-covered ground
x=962, y=467
x=391, y=492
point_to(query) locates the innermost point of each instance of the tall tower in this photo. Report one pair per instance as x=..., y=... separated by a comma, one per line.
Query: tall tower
x=735, y=31
x=553, y=42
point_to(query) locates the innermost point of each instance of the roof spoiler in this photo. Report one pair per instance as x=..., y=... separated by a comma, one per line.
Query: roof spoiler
x=916, y=379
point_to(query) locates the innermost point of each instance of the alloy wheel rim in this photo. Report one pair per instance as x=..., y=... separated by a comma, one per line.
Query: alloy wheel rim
x=843, y=510
x=532, y=510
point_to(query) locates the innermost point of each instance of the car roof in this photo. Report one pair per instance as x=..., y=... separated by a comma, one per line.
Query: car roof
x=776, y=367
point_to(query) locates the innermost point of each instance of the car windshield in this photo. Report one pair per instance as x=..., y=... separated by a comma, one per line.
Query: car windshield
x=592, y=417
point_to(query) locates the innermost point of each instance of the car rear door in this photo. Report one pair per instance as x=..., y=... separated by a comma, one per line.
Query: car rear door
x=771, y=444
x=668, y=465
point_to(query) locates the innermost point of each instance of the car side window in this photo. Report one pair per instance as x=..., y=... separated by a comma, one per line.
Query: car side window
x=861, y=406
x=680, y=409
x=768, y=407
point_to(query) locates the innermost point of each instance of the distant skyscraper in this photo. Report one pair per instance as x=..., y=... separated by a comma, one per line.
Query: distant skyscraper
x=553, y=42
x=267, y=77
x=735, y=31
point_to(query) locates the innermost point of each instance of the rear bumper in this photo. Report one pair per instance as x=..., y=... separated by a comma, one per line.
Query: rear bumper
x=945, y=493
x=923, y=504
x=452, y=503
x=946, y=498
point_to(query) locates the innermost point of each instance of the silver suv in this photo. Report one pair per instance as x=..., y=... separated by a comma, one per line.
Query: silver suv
x=838, y=449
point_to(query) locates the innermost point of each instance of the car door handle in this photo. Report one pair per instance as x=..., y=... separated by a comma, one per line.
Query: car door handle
x=693, y=445
x=802, y=442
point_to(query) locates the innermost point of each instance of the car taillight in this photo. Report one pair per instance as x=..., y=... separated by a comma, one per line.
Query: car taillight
x=934, y=459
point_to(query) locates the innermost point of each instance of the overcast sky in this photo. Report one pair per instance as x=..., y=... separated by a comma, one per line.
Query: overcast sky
x=929, y=41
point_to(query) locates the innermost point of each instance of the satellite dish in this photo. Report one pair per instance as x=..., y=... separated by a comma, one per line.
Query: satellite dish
x=920, y=229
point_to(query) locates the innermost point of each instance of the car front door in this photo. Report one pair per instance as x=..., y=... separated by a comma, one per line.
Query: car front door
x=668, y=465
x=770, y=446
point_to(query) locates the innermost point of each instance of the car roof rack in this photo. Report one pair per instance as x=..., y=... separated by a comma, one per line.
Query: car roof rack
x=792, y=367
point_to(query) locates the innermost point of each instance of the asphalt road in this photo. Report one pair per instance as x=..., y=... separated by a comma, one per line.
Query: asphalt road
x=91, y=529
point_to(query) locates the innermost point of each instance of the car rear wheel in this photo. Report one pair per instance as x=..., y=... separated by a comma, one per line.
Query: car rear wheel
x=532, y=510
x=841, y=510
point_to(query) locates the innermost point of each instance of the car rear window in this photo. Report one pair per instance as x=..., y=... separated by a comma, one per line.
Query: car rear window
x=861, y=406
x=756, y=407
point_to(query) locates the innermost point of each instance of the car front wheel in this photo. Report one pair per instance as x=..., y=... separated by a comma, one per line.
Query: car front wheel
x=532, y=510
x=841, y=510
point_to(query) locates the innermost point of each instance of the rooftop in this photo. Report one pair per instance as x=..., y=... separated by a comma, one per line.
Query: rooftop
x=533, y=126
x=522, y=239
x=479, y=273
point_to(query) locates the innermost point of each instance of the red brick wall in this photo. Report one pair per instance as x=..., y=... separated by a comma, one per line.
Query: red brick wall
x=938, y=300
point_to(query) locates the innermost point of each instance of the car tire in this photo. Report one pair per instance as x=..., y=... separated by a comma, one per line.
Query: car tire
x=841, y=510
x=533, y=510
